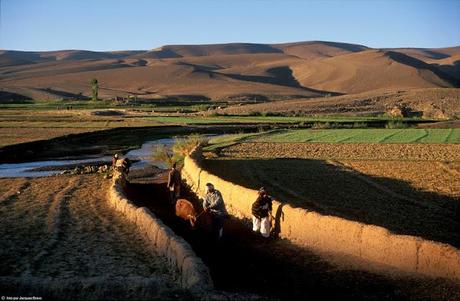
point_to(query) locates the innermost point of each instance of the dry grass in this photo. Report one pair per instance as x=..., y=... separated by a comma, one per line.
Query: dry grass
x=181, y=148
x=184, y=146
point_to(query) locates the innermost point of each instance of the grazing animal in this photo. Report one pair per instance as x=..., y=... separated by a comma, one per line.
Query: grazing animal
x=185, y=210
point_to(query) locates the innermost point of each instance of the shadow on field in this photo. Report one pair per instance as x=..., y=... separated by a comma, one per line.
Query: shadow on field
x=332, y=190
x=245, y=263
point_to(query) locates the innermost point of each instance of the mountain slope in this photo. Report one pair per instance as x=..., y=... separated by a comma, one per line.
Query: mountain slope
x=242, y=71
x=370, y=70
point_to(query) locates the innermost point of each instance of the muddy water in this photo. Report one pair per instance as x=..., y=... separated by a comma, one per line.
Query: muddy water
x=29, y=169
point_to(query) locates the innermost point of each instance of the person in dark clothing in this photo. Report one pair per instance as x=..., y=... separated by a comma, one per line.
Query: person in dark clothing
x=125, y=165
x=261, y=213
x=174, y=182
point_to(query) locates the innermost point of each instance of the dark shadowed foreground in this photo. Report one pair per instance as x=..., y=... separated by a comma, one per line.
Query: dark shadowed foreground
x=243, y=262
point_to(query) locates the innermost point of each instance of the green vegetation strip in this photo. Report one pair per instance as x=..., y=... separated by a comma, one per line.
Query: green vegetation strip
x=331, y=120
x=346, y=136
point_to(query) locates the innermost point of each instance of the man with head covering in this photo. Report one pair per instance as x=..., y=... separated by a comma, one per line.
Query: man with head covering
x=261, y=212
x=114, y=160
x=214, y=204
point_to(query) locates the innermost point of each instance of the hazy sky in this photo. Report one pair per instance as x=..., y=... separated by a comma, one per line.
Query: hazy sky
x=132, y=24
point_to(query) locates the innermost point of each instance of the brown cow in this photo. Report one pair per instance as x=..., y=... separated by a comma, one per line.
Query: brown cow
x=185, y=210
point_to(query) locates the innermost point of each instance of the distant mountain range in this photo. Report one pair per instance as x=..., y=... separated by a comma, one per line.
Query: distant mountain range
x=237, y=71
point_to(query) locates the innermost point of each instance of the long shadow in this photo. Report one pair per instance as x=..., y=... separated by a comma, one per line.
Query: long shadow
x=282, y=76
x=453, y=70
x=275, y=268
x=65, y=94
x=106, y=142
x=411, y=61
x=7, y=96
x=331, y=190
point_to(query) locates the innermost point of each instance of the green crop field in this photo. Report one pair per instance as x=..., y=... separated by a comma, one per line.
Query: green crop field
x=344, y=136
x=364, y=136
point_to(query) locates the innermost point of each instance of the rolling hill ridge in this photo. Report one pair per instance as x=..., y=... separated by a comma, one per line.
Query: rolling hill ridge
x=235, y=71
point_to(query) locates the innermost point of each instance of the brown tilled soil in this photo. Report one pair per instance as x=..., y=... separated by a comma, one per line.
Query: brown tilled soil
x=245, y=263
x=62, y=227
x=438, y=177
x=348, y=151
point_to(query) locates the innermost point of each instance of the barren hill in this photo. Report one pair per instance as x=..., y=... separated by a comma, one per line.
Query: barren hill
x=238, y=71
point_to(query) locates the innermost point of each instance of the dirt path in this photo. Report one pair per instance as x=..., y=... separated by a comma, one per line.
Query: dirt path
x=244, y=262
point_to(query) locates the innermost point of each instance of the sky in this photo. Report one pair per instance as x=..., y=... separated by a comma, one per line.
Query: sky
x=103, y=25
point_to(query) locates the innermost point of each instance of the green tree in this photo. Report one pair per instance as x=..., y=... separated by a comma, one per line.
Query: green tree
x=94, y=88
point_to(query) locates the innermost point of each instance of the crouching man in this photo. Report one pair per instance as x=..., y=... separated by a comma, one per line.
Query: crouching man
x=261, y=213
x=213, y=204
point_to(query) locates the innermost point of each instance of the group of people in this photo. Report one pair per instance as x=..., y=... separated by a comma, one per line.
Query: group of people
x=121, y=165
x=213, y=204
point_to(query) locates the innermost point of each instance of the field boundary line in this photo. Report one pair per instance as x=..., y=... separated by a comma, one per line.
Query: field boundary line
x=426, y=134
x=446, y=140
x=320, y=136
x=54, y=221
x=448, y=169
x=382, y=140
x=376, y=185
x=12, y=193
x=348, y=138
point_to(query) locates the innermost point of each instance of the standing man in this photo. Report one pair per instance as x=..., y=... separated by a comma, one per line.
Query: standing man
x=214, y=204
x=261, y=212
x=114, y=161
x=126, y=164
x=174, y=181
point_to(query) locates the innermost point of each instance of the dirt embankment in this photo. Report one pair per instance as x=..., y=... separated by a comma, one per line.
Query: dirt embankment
x=59, y=230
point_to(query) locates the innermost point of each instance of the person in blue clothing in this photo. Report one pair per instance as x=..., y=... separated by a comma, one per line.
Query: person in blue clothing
x=213, y=203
